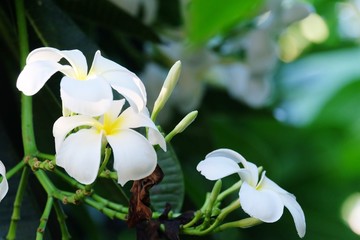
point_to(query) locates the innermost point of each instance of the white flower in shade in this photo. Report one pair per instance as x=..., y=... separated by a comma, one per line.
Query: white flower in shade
x=260, y=198
x=146, y=8
x=4, y=186
x=82, y=91
x=80, y=152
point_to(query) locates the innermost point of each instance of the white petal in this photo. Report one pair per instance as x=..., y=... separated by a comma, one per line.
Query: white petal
x=77, y=61
x=155, y=137
x=214, y=168
x=133, y=119
x=4, y=186
x=80, y=155
x=228, y=153
x=101, y=65
x=251, y=174
x=44, y=54
x=119, y=77
x=64, y=125
x=266, y=183
x=134, y=156
x=265, y=205
x=296, y=212
x=115, y=109
x=290, y=203
x=34, y=75
x=91, y=97
x=129, y=86
x=74, y=57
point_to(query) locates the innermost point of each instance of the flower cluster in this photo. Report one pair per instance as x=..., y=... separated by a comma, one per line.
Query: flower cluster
x=260, y=198
x=92, y=117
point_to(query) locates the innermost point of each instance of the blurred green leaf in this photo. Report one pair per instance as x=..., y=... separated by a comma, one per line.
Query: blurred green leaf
x=310, y=82
x=171, y=188
x=105, y=14
x=209, y=17
x=340, y=116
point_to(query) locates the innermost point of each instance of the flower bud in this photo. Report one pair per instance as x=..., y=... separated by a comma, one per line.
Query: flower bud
x=182, y=125
x=167, y=88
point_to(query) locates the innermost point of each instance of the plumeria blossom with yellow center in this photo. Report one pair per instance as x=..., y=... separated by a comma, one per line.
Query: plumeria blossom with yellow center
x=82, y=91
x=79, y=153
x=4, y=186
x=260, y=198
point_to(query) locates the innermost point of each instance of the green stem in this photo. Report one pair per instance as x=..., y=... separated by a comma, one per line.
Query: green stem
x=68, y=179
x=224, y=212
x=233, y=188
x=61, y=216
x=44, y=218
x=212, y=200
x=15, y=217
x=15, y=169
x=112, y=205
x=243, y=223
x=102, y=208
x=106, y=160
x=45, y=156
x=27, y=126
x=197, y=216
x=108, y=174
x=23, y=35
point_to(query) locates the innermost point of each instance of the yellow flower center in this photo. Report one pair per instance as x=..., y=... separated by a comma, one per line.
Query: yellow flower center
x=110, y=125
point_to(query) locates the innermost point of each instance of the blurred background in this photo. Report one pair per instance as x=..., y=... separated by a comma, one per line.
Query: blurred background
x=275, y=80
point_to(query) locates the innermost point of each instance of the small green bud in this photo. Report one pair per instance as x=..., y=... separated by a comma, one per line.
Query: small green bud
x=167, y=88
x=182, y=125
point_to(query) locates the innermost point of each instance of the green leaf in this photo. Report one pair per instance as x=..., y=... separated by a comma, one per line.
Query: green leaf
x=171, y=189
x=210, y=17
x=107, y=15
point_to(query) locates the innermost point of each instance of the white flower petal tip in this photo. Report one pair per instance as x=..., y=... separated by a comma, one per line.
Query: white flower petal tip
x=4, y=185
x=297, y=213
x=262, y=199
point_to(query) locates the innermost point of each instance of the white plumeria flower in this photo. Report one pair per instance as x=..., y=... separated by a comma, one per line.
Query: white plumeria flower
x=4, y=186
x=148, y=8
x=88, y=93
x=80, y=152
x=260, y=198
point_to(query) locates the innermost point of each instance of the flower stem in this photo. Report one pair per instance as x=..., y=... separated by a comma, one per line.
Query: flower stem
x=107, y=211
x=233, y=188
x=15, y=169
x=224, y=212
x=44, y=218
x=45, y=156
x=112, y=205
x=15, y=217
x=27, y=126
x=61, y=216
x=68, y=179
x=212, y=200
x=243, y=223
